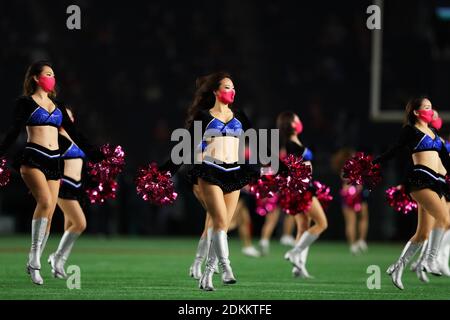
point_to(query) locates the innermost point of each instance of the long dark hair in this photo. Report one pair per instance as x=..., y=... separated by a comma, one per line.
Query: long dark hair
x=29, y=84
x=204, y=97
x=284, y=124
x=412, y=105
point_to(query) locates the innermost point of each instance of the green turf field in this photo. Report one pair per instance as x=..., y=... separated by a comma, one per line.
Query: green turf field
x=149, y=268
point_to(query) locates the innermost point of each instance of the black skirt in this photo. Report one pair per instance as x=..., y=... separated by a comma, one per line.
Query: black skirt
x=422, y=177
x=70, y=189
x=36, y=156
x=228, y=176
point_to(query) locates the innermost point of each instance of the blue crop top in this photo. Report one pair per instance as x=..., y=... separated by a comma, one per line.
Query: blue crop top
x=213, y=127
x=41, y=117
x=216, y=127
x=414, y=140
x=28, y=113
x=299, y=151
x=68, y=149
x=428, y=144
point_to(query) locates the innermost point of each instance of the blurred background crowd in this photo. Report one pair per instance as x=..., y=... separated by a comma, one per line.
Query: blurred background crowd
x=130, y=72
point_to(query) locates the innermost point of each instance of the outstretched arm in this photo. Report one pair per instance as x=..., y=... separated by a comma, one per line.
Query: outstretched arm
x=406, y=135
x=91, y=151
x=22, y=111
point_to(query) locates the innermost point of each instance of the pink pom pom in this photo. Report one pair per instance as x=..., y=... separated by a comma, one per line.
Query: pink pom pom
x=399, y=200
x=292, y=186
x=352, y=198
x=264, y=187
x=104, y=174
x=110, y=167
x=295, y=202
x=361, y=171
x=266, y=205
x=5, y=174
x=155, y=186
x=103, y=191
x=323, y=194
x=298, y=176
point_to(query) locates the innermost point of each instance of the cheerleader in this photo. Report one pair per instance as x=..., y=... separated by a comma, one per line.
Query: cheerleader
x=443, y=253
x=444, y=250
x=354, y=207
x=425, y=183
x=219, y=174
x=38, y=164
x=69, y=198
x=290, y=127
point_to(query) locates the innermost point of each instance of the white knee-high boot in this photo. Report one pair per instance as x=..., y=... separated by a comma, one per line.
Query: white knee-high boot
x=396, y=270
x=59, y=258
x=38, y=228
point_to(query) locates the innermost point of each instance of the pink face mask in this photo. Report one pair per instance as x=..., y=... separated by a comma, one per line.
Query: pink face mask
x=426, y=115
x=226, y=97
x=298, y=127
x=436, y=123
x=47, y=83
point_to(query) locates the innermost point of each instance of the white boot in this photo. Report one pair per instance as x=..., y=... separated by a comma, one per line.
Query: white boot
x=206, y=280
x=57, y=263
x=444, y=253
x=417, y=264
x=38, y=228
x=44, y=243
x=287, y=240
x=362, y=245
x=251, y=252
x=396, y=270
x=58, y=259
x=294, y=255
x=265, y=246
x=354, y=249
x=302, y=272
x=430, y=263
x=220, y=243
x=195, y=271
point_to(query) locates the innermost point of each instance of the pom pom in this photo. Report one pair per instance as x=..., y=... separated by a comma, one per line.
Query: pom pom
x=294, y=196
x=352, y=198
x=361, y=171
x=103, y=191
x=295, y=202
x=399, y=200
x=264, y=187
x=110, y=167
x=103, y=174
x=5, y=174
x=298, y=176
x=323, y=194
x=155, y=186
x=266, y=205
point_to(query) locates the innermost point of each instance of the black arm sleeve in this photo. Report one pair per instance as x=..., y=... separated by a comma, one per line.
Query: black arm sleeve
x=445, y=158
x=91, y=151
x=169, y=165
x=295, y=149
x=406, y=135
x=21, y=114
x=246, y=124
